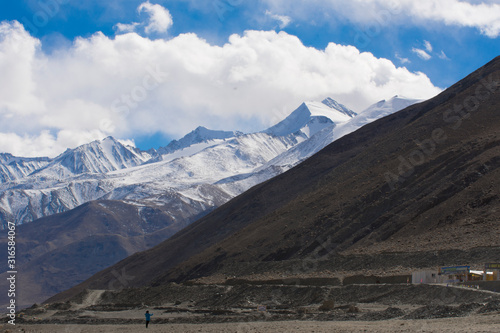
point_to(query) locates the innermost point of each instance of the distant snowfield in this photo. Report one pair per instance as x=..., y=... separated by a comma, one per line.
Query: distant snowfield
x=204, y=168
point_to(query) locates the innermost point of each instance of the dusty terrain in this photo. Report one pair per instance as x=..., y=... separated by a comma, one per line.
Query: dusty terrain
x=244, y=307
x=482, y=323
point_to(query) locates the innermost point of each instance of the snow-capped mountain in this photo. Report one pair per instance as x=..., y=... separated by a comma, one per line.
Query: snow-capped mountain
x=97, y=157
x=316, y=142
x=194, y=174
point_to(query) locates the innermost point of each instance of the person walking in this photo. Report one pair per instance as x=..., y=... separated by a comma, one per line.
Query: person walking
x=148, y=317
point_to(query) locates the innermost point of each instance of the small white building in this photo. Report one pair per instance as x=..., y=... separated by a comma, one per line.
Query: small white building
x=425, y=277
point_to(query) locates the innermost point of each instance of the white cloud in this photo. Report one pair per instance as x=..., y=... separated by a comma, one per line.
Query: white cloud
x=18, y=51
x=402, y=59
x=283, y=20
x=443, y=56
x=428, y=46
x=126, y=28
x=130, y=85
x=160, y=19
x=45, y=143
x=421, y=53
x=484, y=16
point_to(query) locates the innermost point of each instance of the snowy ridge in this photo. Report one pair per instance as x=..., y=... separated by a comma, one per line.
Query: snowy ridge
x=242, y=154
x=199, y=135
x=376, y=111
x=384, y=108
x=13, y=168
x=97, y=157
x=339, y=107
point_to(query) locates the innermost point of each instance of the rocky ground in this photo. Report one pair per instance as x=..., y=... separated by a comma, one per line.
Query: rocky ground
x=271, y=308
x=481, y=323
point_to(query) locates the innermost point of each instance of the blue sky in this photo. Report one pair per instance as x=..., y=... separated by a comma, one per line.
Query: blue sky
x=149, y=71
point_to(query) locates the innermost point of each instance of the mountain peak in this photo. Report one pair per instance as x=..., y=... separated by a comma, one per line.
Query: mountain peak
x=339, y=107
x=199, y=135
x=108, y=143
x=98, y=156
x=5, y=157
x=110, y=139
x=311, y=117
x=204, y=133
x=394, y=104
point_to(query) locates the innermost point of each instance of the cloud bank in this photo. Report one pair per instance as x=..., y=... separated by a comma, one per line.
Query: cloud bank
x=484, y=16
x=130, y=85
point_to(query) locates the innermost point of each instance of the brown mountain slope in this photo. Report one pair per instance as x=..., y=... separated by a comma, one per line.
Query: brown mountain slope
x=57, y=252
x=424, y=179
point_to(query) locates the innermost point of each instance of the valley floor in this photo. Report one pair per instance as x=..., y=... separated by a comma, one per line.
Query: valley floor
x=247, y=308
x=476, y=323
